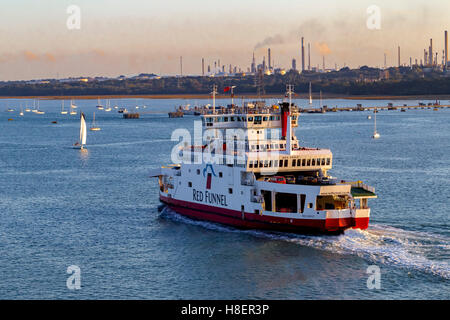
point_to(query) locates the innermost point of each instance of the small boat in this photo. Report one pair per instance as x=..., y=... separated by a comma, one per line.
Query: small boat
x=62, y=108
x=108, y=106
x=10, y=110
x=21, y=111
x=72, y=112
x=122, y=110
x=82, y=142
x=369, y=117
x=72, y=104
x=99, y=105
x=93, y=126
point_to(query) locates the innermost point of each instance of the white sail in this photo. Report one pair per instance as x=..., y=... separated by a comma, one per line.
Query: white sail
x=82, y=129
x=310, y=94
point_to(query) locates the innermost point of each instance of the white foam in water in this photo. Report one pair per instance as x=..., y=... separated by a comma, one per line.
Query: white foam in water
x=379, y=244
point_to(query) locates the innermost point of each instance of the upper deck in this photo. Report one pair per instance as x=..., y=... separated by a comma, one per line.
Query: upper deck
x=267, y=117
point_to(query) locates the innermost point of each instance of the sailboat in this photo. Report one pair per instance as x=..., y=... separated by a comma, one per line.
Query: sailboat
x=376, y=135
x=99, y=105
x=21, y=110
x=93, y=126
x=108, y=107
x=38, y=110
x=72, y=106
x=62, y=108
x=310, y=94
x=81, y=144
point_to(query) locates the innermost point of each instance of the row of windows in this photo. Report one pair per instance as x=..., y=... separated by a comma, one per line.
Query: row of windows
x=284, y=163
x=273, y=146
x=255, y=119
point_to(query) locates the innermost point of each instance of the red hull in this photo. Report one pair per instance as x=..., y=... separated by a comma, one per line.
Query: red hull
x=249, y=220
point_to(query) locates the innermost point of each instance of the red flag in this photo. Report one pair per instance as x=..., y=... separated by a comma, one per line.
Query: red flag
x=227, y=89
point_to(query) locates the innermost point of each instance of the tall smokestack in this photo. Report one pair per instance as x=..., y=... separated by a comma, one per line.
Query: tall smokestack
x=430, y=55
x=446, y=50
x=181, y=65
x=309, y=56
x=303, y=55
x=399, y=60
x=203, y=66
x=270, y=59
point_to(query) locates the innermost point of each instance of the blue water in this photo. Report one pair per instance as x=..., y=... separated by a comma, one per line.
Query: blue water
x=98, y=210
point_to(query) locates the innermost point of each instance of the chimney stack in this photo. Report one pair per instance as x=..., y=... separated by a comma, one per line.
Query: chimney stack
x=446, y=50
x=303, y=55
x=430, y=54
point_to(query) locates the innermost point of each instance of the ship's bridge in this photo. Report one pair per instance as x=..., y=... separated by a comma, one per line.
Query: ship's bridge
x=269, y=118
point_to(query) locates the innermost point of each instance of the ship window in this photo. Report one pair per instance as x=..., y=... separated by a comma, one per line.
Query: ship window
x=303, y=162
x=225, y=119
x=278, y=117
x=328, y=161
x=313, y=162
x=220, y=174
x=250, y=118
x=323, y=161
x=293, y=162
x=260, y=163
x=286, y=202
x=275, y=163
x=281, y=163
x=250, y=164
x=257, y=147
x=230, y=190
x=286, y=163
x=318, y=162
x=265, y=119
x=266, y=163
x=310, y=205
x=299, y=162
x=308, y=163
x=267, y=195
x=238, y=119
x=302, y=202
x=198, y=171
x=190, y=184
x=231, y=118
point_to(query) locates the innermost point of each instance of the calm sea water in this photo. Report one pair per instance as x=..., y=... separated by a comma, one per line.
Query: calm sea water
x=98, y=210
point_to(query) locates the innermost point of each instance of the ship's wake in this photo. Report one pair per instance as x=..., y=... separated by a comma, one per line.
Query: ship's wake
x=383, y=244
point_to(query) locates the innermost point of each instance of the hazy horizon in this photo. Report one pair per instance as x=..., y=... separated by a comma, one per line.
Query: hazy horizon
x=135, y=36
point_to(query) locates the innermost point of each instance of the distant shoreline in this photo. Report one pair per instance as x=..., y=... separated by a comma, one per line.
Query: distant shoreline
x=237, y=97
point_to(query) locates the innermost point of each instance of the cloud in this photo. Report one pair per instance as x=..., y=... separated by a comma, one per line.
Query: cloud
x=323, y=48
x=50, y=57
x=30, y=56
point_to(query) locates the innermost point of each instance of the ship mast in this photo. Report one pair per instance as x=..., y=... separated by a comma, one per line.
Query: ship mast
x=214, y=92
x=289, y=92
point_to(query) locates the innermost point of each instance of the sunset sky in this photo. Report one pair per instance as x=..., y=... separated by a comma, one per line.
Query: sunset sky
x=129, y=37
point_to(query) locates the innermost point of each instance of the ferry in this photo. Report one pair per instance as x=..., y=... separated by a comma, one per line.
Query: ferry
x=262, y=177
